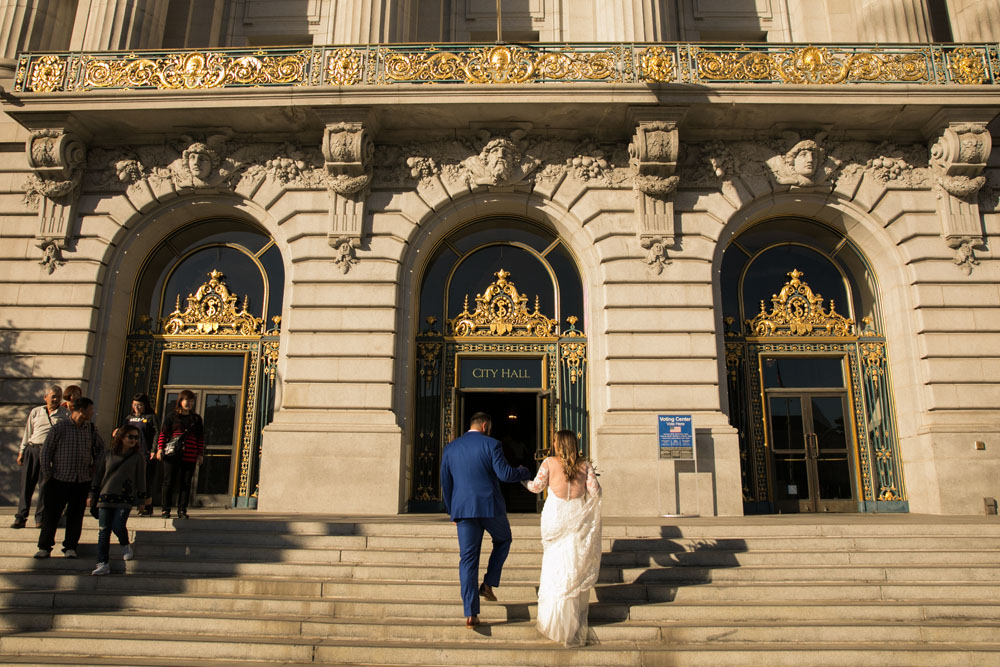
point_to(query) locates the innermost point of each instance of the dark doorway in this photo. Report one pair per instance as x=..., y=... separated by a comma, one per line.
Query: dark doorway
x=515, y=425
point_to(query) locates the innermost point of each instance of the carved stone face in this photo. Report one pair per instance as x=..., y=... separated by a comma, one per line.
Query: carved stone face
x=804, y=163
x=499, y=158
x=199, y=164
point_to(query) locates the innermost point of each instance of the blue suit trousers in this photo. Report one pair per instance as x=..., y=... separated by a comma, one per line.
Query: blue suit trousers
x=470, y=542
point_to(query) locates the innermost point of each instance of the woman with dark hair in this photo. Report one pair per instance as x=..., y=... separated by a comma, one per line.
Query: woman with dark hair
x=70, y=394
x=119, y=483
x=143, y=418
x=181, y=447
x=571, y=541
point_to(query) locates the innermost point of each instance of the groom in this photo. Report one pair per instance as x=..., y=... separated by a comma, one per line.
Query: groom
x=471, y=468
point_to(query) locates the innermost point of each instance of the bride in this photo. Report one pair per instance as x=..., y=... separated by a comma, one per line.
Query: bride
x=571, y=537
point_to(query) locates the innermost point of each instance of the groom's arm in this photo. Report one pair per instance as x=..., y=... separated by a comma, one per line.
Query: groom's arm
x=505, y=472
x=446, y=484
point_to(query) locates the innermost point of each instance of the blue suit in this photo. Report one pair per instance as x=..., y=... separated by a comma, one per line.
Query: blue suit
x=472, y=467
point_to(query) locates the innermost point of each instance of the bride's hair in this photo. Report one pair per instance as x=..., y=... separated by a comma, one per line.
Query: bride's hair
x=566, y=452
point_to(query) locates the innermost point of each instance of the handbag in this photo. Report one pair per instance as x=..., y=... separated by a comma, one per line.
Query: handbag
x=175, y=444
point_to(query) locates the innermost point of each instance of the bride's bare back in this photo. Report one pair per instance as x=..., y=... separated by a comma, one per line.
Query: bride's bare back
x=552, y=475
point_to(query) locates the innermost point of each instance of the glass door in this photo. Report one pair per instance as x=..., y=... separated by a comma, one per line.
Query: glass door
x=812, y=451
x=219, y=410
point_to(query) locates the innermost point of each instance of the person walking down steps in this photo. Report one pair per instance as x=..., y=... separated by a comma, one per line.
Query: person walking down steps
x=119, y=484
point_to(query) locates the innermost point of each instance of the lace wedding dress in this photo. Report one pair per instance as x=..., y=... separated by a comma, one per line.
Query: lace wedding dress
x=571, y=538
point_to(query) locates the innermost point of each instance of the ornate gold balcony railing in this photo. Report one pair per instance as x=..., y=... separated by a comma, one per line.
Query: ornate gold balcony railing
x=380, y=65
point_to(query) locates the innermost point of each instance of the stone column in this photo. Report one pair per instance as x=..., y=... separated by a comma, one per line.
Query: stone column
x=640, y=21
x=120, y=24
x=372, y=22
x=32, y=25
x=975, y=20
x=894, y=21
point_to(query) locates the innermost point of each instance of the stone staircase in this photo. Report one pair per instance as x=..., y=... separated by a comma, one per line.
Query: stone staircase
x=247, y=588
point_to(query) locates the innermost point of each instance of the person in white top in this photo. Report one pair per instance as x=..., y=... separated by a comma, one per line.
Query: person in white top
x=40, y=420
x=571, y=539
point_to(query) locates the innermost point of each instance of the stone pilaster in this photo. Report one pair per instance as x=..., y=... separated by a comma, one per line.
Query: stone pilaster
x=959, y=151
x=641, y=21
x=374, y=22
x=348, y=153
x=975, y=20
x=120, y=24
x=893, y=21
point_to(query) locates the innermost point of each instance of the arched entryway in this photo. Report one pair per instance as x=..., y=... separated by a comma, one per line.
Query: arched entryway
x=808, y=373
x=205, y=316
x=502, y=307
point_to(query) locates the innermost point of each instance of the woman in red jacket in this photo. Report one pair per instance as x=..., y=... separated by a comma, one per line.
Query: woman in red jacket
x=184, y=426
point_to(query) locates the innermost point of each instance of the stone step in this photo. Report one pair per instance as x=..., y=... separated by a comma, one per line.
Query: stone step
x=453, y=629
x=702, y=611
x=322, y=553
x=476, y=651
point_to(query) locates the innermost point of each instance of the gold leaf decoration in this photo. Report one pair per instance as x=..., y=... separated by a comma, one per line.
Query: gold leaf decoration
x=967, y=66
x=211, y=311
x=811, y=65
x=656, y=65
x=47, y=74
x=796, y=311
x=501, y=311
x=345, y=67
x=194, y=71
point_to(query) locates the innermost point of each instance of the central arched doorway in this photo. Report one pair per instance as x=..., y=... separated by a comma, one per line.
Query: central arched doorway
x=502, y=305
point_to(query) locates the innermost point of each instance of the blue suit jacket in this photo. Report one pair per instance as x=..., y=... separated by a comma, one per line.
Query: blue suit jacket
x=472, y=467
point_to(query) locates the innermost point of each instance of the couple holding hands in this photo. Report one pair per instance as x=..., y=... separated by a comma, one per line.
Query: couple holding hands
x=472, y=468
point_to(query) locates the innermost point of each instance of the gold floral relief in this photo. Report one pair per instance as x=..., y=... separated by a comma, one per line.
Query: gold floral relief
x=47, y=74
x=345, y=67
x=967, y=66
x=797, y=311
x=574, y=355
x=194, y=71
x=656, y=65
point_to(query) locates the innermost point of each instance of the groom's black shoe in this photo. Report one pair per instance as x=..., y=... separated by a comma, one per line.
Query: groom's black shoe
x=486, y=592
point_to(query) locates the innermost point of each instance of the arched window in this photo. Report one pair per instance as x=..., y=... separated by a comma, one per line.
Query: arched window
x=466, y=261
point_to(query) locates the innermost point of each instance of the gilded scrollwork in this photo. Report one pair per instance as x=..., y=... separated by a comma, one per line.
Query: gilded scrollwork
x=810, y=65
x=194, y=70
x=574, y=356
x=797, y=311
x=211, y=310
x=497, y=64
x=345, y=67
x=501, y=311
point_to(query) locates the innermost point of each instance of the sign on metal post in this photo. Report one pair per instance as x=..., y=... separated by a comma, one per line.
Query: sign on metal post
x=676, y=436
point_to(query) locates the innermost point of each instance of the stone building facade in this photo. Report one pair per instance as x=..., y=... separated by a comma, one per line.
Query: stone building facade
x=347, y=225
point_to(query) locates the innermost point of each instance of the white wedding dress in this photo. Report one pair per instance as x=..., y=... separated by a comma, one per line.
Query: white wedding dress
x=571, y=538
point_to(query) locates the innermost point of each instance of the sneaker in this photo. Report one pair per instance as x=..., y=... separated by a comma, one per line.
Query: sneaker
x=127, y=553
x=165, y=514
x=69, y=553
x=146, y=511
x=19, y=523
x=102, y=568
x=182, y=514
x=42, y=553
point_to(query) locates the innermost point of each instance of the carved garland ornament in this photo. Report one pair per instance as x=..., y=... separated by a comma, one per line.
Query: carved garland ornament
x=797, y=311
x=211, y=310
x=501, y=311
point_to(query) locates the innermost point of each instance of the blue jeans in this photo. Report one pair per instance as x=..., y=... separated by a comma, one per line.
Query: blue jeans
x=111, y=520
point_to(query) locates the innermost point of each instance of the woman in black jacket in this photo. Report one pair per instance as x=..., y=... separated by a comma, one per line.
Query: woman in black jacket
x=143, y=418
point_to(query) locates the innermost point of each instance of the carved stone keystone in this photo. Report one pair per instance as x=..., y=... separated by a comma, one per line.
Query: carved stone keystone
x=348, y=154
x=56, y=158
x=653, y=157
x=958, y=155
